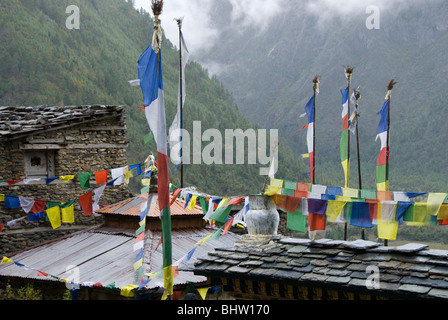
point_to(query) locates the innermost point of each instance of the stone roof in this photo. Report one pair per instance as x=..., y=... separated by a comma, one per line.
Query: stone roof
x=409, y=271
x=23, y=120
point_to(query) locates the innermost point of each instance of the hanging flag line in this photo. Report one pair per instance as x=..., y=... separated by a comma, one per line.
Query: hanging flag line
x=101, y=176
x=59, y=212
x=317, y=204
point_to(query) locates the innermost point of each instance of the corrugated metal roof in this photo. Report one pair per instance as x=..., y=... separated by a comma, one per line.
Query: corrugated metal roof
x=132, y=207
x=183, y=241
x=106, y=257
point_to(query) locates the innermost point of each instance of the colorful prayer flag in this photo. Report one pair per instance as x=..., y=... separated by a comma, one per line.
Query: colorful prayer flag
x=309, y=108
x=382, y=165
x=151, y=83
x=345, y=138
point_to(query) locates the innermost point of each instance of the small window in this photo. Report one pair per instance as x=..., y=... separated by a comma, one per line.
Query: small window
x=39, y=164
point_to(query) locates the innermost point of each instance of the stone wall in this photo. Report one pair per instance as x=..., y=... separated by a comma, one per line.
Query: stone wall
x=86, y=148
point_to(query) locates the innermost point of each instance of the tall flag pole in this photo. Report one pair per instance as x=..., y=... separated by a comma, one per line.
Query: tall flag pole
x=316, y=81
x=354, y=121
x=383, y=130
x=178, y=119
x=310, y=136
x=345, y=136
x=151, y=83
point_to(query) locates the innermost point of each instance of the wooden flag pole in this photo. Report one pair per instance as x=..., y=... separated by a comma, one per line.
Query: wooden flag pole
x=390, y=86
x=348, y=75
x=316, y=82
x=157, y=7
x=357, y=96
x=179, y=23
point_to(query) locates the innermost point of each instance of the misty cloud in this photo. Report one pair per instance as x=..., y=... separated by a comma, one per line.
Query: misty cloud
x=199, y=32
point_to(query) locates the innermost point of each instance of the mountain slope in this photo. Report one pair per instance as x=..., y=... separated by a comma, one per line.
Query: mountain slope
x=43, y=62
x=269, y=73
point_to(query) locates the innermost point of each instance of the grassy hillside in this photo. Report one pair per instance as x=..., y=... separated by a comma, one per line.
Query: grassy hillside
x=43, y=62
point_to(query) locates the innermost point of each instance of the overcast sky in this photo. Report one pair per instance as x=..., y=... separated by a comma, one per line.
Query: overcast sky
x=198, y=32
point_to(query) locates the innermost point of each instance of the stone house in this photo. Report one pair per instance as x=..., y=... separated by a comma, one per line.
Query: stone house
x=40, y=143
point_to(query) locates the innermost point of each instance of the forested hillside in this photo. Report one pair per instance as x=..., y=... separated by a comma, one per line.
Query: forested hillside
x=43, y=62
x=269, y=72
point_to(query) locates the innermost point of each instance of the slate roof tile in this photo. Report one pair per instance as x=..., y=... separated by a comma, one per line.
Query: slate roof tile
x=411, y=270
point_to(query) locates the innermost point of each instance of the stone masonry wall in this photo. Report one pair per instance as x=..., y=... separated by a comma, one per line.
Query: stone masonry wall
x=92, y=147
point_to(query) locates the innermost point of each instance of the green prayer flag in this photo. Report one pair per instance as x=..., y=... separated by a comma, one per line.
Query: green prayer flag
x=368, y=194
x=204, y=204
x=68, y=203
x=148, y=137
x=381, y=173
x=84, y=180
x=288, y=192
x=289, y=184
x=221, y=214
x=296, y=221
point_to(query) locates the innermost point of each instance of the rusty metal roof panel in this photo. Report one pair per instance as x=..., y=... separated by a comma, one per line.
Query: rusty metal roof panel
x=132, y=207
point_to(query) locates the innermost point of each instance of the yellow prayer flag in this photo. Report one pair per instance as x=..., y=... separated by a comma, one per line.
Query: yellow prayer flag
x=382, y=186
x=345, y=167
x=387, y=230
x=271, y=190
x=443, y=212
x=146, y=182
x=276, y=183
x=6, y=260
x=2, y=197
x=334, y=208
x=305, y=155
x=54, y=215
x=201, y=242
x=192, y=202
x=128, y=291
x=350, y=192
x=223, y=202
x=68, y=214
x=128, y=174
x=66, y=178
x=138, y=264
x=435, y=201
x=203, y=292
x=168, y=280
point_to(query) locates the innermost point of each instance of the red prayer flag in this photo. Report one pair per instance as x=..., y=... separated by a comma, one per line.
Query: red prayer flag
x=101, y=177
x=86, y=203
x=316, y=221
x=227, y=226
x=41, y=274
x=38, y=206
x=11, y=182
x=233, y=201
x=174, y=195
